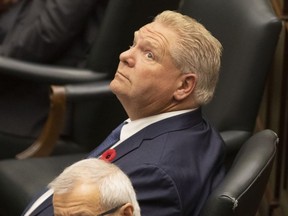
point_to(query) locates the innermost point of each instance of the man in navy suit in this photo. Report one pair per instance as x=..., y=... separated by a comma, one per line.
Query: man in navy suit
x=170, y=152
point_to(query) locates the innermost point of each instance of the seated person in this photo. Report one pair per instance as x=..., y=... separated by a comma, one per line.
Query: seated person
x=58, y=32
x=172, y=155
x=93, y=187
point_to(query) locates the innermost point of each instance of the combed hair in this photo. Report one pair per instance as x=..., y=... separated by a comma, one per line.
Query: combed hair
x=196, y=51
x=114, y=186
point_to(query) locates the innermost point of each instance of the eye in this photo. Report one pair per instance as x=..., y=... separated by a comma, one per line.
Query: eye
x=149, y=55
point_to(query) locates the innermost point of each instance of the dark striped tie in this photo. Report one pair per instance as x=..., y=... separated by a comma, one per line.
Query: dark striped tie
x=108, y=142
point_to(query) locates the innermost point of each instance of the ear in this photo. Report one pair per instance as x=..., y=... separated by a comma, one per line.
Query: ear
x=186, y=86
x=126, y=210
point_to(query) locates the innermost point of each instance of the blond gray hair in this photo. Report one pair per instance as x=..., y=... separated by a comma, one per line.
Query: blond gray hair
x=114, y=186
x=196, y=51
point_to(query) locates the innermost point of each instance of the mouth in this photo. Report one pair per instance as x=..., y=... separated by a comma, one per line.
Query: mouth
x=118, y=73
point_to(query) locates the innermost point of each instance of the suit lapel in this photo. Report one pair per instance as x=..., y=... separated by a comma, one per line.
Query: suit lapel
x=46, y=204
x=129, y=145
x=175, y=123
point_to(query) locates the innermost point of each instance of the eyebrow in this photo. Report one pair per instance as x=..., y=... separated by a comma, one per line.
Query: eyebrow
x=156, y=48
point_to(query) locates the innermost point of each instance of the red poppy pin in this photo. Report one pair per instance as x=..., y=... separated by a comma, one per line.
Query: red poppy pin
x=108, y=155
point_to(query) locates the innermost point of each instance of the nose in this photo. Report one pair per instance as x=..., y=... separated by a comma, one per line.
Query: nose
x=127, y=58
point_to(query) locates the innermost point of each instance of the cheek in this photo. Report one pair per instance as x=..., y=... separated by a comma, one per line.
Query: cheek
x=154, y=80
x=152, y=89
x=144, y=82
x=165, y=81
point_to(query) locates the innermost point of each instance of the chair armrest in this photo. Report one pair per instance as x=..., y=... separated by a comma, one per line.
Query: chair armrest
x=234, y=139
x=88, y=91
x=60, y=95
x=44, y=144
x=46, y=73
x=241, y=190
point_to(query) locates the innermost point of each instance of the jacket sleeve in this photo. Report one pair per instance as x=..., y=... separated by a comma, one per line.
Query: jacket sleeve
x=156, y=192
x=44, y=29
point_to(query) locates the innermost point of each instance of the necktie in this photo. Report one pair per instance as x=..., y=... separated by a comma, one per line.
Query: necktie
x=108, y=142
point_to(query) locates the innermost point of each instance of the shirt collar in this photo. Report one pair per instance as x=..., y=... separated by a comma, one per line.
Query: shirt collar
x=132, y=127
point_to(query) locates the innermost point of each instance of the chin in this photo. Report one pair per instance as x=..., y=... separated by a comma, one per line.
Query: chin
x=115, y=86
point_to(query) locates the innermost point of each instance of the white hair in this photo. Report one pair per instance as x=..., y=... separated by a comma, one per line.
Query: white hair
x=114, y=185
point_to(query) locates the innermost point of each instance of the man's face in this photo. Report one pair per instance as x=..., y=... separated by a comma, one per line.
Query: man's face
x=146, y=77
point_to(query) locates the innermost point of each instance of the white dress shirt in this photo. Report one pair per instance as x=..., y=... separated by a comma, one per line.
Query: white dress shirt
x=132, y=127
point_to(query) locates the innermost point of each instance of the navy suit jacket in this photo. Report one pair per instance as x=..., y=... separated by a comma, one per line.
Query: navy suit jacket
x=173, y=165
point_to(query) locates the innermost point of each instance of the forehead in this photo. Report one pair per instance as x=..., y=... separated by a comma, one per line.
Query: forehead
x=157, y=35
x=83, y=198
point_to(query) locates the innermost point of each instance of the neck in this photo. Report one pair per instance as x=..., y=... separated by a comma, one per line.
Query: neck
x=138, y=112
